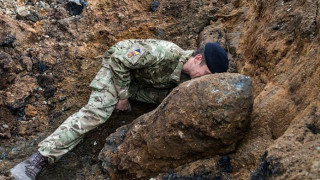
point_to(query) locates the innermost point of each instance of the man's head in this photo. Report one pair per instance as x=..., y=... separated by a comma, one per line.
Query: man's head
x=208, y=59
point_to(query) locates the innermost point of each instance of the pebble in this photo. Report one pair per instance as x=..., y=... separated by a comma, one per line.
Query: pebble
x=62, y=98
x=3, y=155
x=22, y=11
x=154, y=5
x=318, y=148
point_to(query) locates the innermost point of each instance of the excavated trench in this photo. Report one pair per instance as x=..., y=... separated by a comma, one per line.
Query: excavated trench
x=49, y=55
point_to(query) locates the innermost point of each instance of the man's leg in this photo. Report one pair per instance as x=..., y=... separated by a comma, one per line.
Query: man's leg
x=99, y=108
x=70, y=133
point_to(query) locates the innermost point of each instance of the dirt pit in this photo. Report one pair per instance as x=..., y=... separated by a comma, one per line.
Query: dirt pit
x=49, y=55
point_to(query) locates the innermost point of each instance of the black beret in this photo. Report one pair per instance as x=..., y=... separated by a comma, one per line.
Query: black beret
x=216, y=58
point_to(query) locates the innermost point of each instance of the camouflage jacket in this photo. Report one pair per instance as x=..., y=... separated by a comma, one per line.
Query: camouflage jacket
x=155, y=63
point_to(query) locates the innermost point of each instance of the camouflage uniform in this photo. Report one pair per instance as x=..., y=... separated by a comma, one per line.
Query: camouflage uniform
x=143, y=70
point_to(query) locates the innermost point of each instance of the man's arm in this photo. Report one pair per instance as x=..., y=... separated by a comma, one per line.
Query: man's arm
x=125, y=57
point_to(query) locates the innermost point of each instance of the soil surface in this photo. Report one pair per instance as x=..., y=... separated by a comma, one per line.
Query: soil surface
x=50, y=50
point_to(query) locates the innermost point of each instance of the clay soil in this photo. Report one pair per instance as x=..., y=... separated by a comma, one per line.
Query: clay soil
x=48, y=56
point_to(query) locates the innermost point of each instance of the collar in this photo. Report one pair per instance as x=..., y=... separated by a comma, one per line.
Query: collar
x=177, y=71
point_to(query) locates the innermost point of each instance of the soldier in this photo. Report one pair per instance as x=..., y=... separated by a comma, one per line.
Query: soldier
x=143, y=70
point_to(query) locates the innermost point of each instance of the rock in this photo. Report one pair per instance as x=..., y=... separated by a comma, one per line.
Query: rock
x=8, y=41
x=49, y=91
x=62, y=98
x=27, y=63
x=112, y=143
x=56, y=115
x=8, y=69
x=5, y=132
x=19, y=91
x=5, y=126
x=74, y=8
x=30, y=110
x=22, y=11
x=14, y=152
x=199, y=119
x=26, y=128
x=22, y=129
x=155, y=5
x=225, y=164
x=201, y=169
x=160, y=32
x=44, y=80
x=212, y=168
x=41, y=67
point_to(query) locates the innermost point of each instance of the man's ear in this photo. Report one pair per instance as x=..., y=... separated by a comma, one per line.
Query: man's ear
x=198, y=58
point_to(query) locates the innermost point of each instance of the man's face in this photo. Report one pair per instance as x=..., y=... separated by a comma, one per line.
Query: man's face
x=199, y=69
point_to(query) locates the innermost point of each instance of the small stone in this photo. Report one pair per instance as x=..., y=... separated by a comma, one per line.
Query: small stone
x=74, y=8
x=20, y=91
x=13, y=153
x=62, y=98
x=5, y=126
x=22, y=11
x=56, y=115
x=225, y=164
x=27, y=63
x=45, y=80
x=8, y=41
x=22, y=129
x=67, y=106
x=49, y=91
x=159, y=32
x=30, y=110
x=41, y=67
x=155, y=5
x=3, y=155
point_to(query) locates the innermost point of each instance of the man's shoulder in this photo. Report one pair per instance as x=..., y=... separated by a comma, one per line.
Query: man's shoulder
x=149, y=42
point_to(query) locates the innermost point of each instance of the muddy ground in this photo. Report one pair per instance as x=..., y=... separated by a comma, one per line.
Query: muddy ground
x=49, y=55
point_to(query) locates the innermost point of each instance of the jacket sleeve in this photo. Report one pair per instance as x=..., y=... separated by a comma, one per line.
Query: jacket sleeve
x=125, y=57
x=121, y=75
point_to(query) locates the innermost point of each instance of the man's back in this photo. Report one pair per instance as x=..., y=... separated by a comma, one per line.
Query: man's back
x=155, y=63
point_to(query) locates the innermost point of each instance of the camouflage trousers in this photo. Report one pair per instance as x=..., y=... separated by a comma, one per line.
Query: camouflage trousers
x=101, y=104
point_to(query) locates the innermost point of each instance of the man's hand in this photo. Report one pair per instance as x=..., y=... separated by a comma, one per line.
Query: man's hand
x=122, y=105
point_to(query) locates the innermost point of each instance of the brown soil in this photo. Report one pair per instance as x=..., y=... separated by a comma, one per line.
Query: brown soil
x=48, y=58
